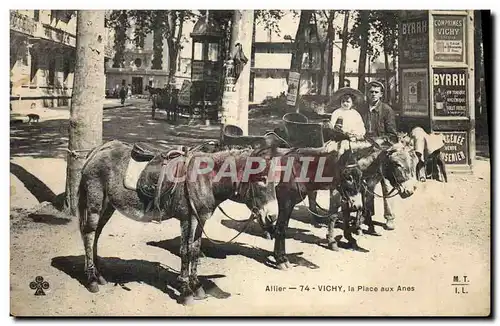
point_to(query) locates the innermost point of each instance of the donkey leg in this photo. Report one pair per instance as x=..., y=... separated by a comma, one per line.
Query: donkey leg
x=335, y=203
x=285, y=212
x=87, y=229
x=346, y=217
x=186, y=294
x=442, y=167
x=194, y=253
x=106, y=214
x=332, y=243
x=388, y=215
x=369, y=209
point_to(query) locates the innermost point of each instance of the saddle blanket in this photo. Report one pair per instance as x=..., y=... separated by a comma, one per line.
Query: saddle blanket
x=133, y=172
x=425, y=143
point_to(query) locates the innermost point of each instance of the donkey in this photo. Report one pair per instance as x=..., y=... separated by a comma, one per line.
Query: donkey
x=411, y=160
x=378, y=157
x=192, y=201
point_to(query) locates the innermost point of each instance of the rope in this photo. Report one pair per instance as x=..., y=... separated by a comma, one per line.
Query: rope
x=74, y=152
x=201, y=222
x=365, y=186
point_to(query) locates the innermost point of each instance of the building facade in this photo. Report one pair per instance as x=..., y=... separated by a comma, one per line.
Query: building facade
x=136, y=69
x=42, y=57
x=272, y=54
x=270, y=61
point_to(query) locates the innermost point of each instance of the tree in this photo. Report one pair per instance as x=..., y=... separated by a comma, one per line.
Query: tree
x=119, y=21
x=270, y=19
x=241, y=35
x=323, y=20
x=300, y=40
x=165, y=24
x=360, y=39
x=385, y=25
x=343, y=52
x=85, y=123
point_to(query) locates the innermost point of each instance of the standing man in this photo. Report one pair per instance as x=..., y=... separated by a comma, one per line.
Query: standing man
x=379, y=121
x=123, y=92
x=378, y=116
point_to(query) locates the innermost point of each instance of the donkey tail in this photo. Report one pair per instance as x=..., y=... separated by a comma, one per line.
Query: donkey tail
x=81, y=211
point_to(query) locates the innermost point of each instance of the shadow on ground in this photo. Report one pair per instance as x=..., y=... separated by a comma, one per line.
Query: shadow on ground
x=34, y=185
x=221, y=250
x=49, y=138
x=120, y=272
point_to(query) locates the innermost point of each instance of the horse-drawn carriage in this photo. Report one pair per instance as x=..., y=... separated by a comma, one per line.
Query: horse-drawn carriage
x=166, y=99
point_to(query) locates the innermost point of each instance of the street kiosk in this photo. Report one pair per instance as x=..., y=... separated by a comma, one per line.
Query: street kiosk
x=206, y=69
x=436, y=80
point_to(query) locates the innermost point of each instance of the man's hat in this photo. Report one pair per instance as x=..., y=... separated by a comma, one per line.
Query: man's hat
x=377, y=84
x=358, y=97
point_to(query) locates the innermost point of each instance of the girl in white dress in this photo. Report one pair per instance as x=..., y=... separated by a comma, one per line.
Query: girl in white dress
x=346, y=117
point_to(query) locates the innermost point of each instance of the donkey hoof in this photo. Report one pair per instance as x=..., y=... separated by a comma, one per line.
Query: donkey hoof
x=186, y=300
x=372, y=231
x=333, y=246
x=200, y=294
x=101, y=280
x=282, y=266
x=389, y=225
x=93, y=287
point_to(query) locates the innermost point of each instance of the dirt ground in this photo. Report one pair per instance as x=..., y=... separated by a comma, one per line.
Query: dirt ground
x=442, y=231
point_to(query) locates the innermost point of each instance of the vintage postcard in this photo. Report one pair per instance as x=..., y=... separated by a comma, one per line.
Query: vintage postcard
x=250, y=163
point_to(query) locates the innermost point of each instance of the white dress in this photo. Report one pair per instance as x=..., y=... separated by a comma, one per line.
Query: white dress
x=352, y=121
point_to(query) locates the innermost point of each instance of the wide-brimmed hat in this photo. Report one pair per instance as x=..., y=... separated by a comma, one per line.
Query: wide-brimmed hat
x=358, y=97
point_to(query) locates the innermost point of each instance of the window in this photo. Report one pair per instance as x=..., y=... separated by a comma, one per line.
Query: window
x=34, y=68
x=52, y=72
x=138, y=62
x=36, y=15
x=213, y=51
x=198, y=51
x=67, y=68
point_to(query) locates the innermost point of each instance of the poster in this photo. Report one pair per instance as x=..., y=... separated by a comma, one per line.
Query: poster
x=415, y=92
x=230, y=98
x=185, y=93
x=455, y=148
x=450, y=92
x=449, y=38
x=293, y=87
x=414, y=40
x=197, y=69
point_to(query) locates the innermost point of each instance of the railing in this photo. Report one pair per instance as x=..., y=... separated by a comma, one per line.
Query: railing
x=58, y=35
x=22, y=23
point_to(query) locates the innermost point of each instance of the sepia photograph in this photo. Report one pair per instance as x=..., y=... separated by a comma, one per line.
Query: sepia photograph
x=250, y=163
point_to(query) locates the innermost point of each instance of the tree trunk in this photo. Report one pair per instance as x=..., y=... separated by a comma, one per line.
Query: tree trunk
x=235, y=97
x=322, y=50
x=343, y=51
x=174, y=47
x=396, y=78
x=300, y=39
x=388, y=98
x=85, y=123
x=363, y=49
x=119, y=42
x=297, y=54
x=329, y=51
x=157, y=43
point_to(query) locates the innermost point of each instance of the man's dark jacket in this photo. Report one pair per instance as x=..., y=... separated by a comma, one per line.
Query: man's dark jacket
x=382, y=120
